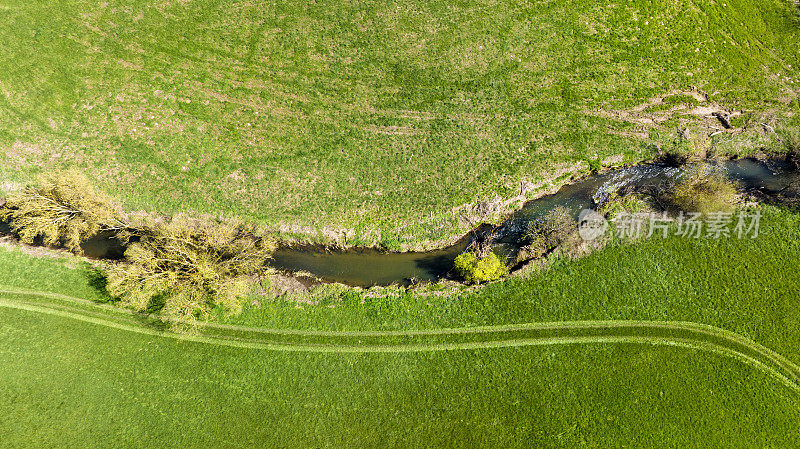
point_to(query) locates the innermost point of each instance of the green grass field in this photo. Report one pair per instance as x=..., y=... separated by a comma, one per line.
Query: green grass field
x=64, y=378
x=371, y=120
x=68, y=383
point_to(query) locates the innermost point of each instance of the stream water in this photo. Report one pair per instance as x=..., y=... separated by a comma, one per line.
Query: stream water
x=367, y=267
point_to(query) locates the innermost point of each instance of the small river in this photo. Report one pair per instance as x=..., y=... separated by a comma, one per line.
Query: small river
x=368, y=267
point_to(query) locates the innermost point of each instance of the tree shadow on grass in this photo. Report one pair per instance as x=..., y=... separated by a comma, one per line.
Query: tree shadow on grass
x=98, y=281
x=148, y=318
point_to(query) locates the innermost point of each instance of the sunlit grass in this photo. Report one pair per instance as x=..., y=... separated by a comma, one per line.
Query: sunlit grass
x=68, y=383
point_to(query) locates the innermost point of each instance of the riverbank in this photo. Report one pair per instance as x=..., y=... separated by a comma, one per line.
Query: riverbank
x=742, y=285
x=760, y=177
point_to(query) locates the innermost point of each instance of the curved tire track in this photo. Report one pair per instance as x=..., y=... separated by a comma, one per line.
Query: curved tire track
x=671, y=333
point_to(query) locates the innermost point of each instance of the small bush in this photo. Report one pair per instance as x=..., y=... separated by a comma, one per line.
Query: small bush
x=688, y=148
x=790, y=138
x=475, y=270
x=64, y=209
x=554, y=230
x=595, y=165
x=703, y=190
x=700, y=145
x=617, y=203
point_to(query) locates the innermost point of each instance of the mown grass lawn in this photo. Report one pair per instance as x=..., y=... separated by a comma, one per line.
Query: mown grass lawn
x=71, y=384
x=372, y=116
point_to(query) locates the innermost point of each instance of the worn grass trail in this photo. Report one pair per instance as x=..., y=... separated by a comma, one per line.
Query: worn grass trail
x=674, y=333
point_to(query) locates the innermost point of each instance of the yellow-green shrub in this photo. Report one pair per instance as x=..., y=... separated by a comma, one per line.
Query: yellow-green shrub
x=475, y=270
x=704, y=190
x=192, y=266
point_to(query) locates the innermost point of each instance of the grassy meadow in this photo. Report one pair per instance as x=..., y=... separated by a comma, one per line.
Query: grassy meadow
x=370, y=121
